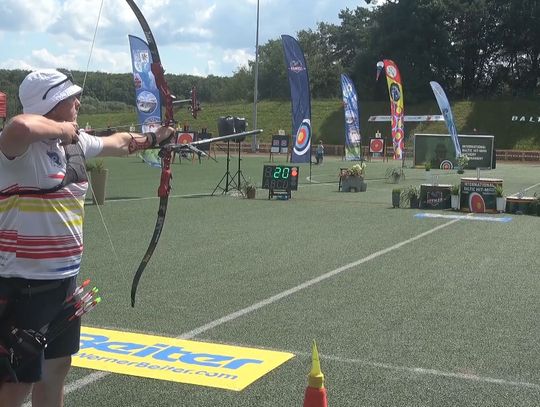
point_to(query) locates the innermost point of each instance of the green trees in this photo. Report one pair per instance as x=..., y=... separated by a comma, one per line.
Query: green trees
x=480, y=48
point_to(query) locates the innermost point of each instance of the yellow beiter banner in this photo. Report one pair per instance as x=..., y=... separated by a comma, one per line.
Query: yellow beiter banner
x=178, y=360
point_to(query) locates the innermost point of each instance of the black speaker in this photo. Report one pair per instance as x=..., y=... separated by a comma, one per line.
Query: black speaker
x=232, y=125
x=240, y=127
x=225, y=126
x=203, y=135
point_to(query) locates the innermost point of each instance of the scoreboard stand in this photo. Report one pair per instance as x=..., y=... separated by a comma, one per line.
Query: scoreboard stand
x=280, y=180
x=280, y=193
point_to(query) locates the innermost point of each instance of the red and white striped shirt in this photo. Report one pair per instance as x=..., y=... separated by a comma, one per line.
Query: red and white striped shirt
x=41, y=236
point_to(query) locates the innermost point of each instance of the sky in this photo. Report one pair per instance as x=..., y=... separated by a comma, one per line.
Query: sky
x=203, y=37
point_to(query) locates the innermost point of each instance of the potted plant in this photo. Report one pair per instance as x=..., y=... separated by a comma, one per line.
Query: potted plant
x=98, y=180
x=248, y=189
x=410, y=196
x=394, y=175
x=462, y=163
x=536, y=204
x=427, y=165
x=396, y=197
x=352, y=179
x=454, y=196
x=500, y=198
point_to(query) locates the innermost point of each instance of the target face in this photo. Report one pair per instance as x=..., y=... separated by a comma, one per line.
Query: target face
x=303, y=138
x=477, y=203
x=446, y=165
x=184, y=138
x=376, y=145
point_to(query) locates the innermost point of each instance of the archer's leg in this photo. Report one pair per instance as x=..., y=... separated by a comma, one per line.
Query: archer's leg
x=49, y=392
x=14, y=394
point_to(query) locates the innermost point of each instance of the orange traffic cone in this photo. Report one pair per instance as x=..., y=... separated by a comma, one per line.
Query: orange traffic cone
x=315, y=392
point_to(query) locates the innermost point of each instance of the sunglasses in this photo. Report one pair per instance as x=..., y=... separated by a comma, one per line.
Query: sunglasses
x=69, y=78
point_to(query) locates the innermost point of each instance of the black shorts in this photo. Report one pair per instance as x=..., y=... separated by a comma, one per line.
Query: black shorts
x=32, y=304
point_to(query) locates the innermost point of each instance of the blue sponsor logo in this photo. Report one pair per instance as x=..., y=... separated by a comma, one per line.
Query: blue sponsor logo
x=163, y=352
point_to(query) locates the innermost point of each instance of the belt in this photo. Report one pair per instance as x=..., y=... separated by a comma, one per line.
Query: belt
x=30, y=287
x=41, y=288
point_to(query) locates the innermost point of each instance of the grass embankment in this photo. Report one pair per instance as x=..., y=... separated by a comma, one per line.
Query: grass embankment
x=488, y=117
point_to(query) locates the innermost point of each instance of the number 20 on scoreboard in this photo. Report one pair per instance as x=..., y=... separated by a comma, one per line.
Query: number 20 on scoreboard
x=280, y=177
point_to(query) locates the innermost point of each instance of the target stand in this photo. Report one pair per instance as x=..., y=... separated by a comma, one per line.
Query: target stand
x=377, y=148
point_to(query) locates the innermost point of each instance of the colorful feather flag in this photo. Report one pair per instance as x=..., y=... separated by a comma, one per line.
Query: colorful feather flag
x=353, y=147
x=395, y=92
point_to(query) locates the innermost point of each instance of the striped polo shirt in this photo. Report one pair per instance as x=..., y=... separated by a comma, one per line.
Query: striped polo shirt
x=41, y=236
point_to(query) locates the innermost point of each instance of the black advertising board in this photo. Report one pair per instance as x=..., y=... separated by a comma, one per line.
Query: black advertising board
x=435, y=196
x=438, y=149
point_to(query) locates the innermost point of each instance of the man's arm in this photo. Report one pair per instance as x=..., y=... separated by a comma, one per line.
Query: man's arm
x=124, y=143
x=25, y=129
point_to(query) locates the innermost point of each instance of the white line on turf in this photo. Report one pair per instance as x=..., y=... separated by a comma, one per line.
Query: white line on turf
x=94, y=377
x=421, y=370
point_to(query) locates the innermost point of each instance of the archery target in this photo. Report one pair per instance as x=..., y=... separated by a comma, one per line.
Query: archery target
x=303, y=138
x=476, y=203
x=376, y=145
x=184, y=138
x=446, y=165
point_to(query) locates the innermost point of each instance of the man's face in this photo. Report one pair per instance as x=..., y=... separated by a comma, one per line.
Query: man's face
x=66, y=110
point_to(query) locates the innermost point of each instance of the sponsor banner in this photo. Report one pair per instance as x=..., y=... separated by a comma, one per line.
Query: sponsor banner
x=178, y=360
x=478, y=194
x=435, y=196
x=438, y=149
x=526, y=119
x=409, y=118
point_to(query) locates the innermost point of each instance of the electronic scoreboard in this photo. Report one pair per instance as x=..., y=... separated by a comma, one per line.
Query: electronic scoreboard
x=280, y=180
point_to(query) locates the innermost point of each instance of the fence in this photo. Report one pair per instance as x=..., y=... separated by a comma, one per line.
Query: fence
x=338, y=150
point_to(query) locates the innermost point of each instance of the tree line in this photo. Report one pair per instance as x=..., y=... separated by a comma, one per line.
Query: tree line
x=474, y=49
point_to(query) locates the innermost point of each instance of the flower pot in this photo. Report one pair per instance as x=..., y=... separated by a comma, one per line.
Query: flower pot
x=501, y=204
x=396, y=196
x=250, y=193
x=352, y=183
x=454, y=202
x=98, y=182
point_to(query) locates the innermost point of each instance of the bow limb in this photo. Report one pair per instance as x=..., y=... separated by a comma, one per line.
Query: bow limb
x=153, y=243
x=165, y=153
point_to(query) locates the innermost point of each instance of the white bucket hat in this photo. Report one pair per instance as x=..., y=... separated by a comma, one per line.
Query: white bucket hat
x=43, y=89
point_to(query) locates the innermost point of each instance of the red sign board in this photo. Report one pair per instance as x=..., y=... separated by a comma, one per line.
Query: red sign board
x=3, y=105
